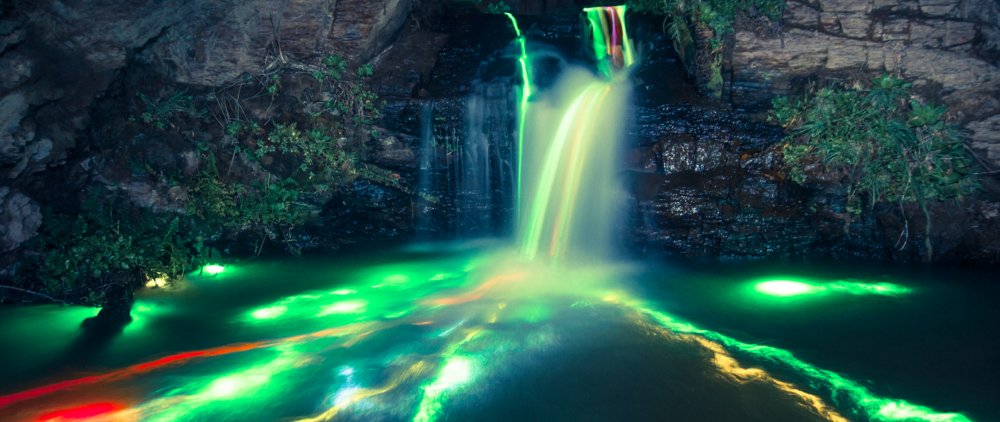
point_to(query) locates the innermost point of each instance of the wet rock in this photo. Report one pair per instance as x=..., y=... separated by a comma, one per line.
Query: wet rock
x=392, y=151
x=60, y=59
x=20, y=218
x=947, y=48
x=156, y=196
x=16, y=68
x=406, y=66
x=224, y=40
x=986, y=137
x=366, y=212
x=116, y=307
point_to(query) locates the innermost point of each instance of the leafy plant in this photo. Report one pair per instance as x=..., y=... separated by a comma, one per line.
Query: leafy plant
x=319, y=155
x=334, y=67
x=880, y=143
x=718, y=16
x=159, y=112
x=274, y=85
x=83, y=250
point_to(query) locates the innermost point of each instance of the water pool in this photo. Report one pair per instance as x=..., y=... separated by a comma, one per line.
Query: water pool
x=471, y=332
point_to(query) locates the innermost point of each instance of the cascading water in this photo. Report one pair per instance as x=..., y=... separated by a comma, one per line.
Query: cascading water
x=426, y=179
x=463, y=335
x=571, y=138
x=483, y=163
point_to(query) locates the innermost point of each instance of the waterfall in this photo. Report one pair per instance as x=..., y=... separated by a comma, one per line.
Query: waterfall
x=572, y=133
x=484, y=161
x=425, y=173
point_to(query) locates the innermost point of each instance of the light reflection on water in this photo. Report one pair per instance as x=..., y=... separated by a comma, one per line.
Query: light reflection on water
x=477, y=335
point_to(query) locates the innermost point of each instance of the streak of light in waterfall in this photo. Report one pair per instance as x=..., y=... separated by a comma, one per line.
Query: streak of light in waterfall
x=524, y=63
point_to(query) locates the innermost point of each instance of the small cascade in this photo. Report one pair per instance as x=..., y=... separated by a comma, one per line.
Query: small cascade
x=426, y=179
x=484, y=164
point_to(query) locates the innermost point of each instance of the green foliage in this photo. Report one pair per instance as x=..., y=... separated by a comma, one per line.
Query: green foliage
x=333, y=68
x=878, y=141
x=717, y=15
x=159, y=112
x=261, y=178
x=319, y=155
x=274, y=85
x=350, y=98
x=107, y=235
x=365, y=71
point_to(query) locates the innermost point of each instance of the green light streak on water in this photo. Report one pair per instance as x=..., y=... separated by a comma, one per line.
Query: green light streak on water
x=388, y=291
x=456, y=371
x=865, y=402
x=859, y=288
x=522, y=119
x=786, y=288
x=269, y=312
x=234, y=394
x=213, y=269
x=345, y=307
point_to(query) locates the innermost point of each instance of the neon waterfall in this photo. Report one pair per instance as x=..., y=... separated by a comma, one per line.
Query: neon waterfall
x=570, y=168
x=457, y=321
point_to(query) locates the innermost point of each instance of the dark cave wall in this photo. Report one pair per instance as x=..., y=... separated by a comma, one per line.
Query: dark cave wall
x=61, y=58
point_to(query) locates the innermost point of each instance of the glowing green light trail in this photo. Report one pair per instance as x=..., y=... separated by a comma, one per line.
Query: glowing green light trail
x=456, y=371
x=864, y=402
x=791, y=288
x=612, y=48
x=522, y=118
x=785, y=288
x=572, y=119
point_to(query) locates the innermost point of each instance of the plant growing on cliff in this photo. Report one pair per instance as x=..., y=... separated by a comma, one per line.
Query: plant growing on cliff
x=83, y=251
x=270, y=209
x=159, y=112
x=882, y=144
x=684, y=18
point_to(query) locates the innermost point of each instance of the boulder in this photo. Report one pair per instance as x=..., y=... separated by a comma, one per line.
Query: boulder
x=20, y=217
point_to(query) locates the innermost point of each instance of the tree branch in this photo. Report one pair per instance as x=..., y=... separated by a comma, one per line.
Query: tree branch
x=33, y=293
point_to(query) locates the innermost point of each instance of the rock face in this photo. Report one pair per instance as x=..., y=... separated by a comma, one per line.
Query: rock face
x=225, y=39
x=723, y=192
x=20, y=218
x=949, y=49
x=59, y=58
x=724, y=196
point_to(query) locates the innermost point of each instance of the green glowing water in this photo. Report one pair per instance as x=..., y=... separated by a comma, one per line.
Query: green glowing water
x=467, y=334
x=790, y=288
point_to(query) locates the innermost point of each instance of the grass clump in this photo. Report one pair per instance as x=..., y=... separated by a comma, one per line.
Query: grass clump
x=880, y=142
